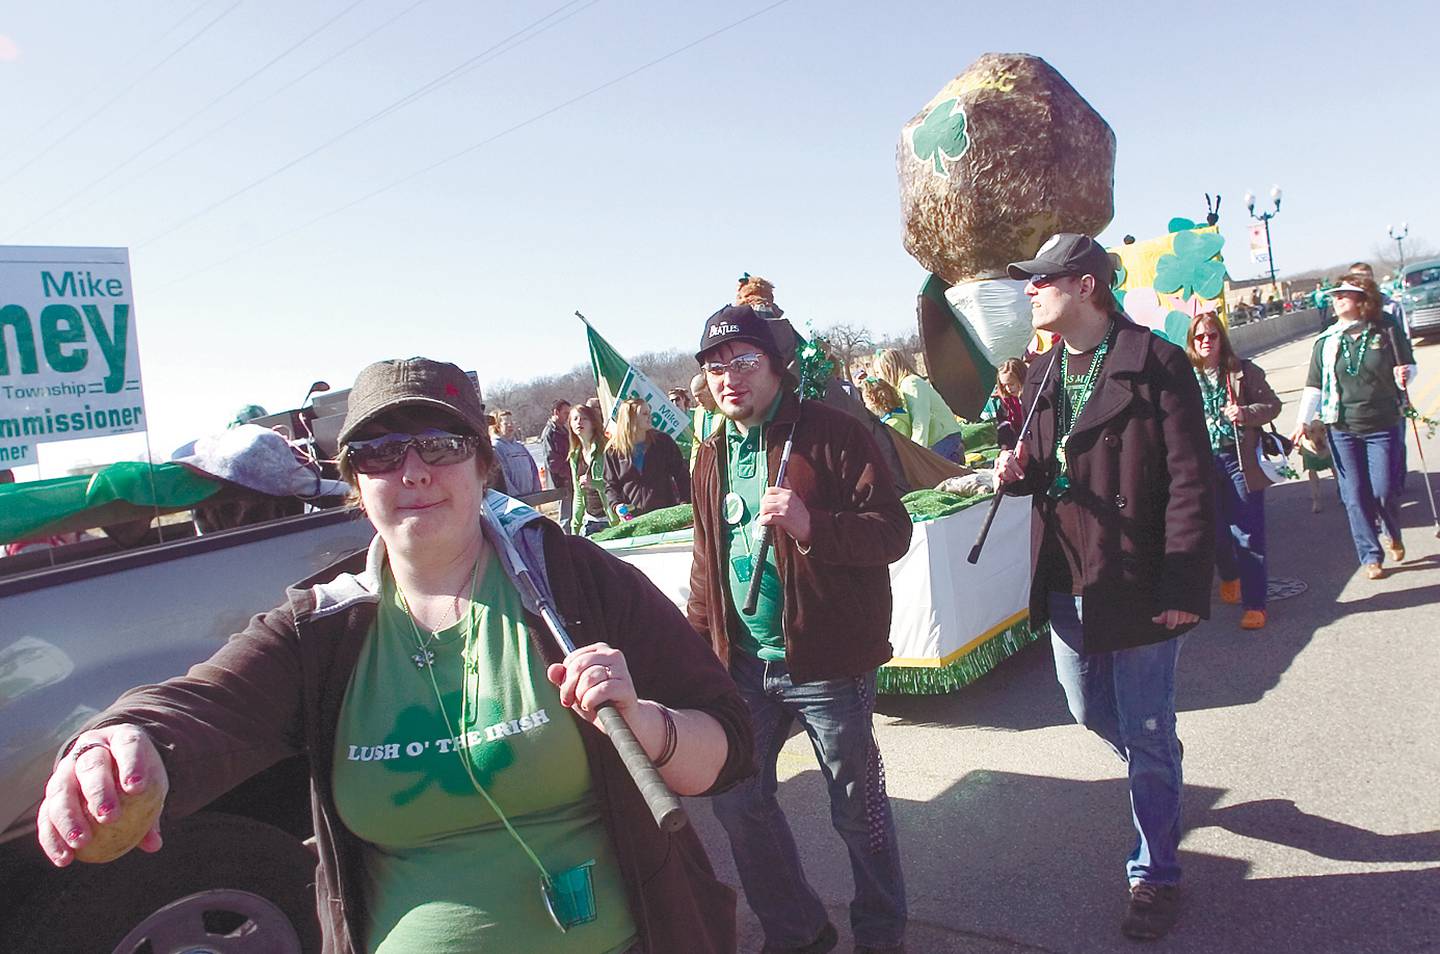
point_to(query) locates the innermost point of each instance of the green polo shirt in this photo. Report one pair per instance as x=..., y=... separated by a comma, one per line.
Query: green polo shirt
x=747, y=474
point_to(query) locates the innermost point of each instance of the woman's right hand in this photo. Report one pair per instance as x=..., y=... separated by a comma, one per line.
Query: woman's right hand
x=1296, y=437
x=82, y=789
x=1010, y=464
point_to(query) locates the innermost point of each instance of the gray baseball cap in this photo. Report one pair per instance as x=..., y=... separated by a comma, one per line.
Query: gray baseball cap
x=413, y=382
x=1067, y=253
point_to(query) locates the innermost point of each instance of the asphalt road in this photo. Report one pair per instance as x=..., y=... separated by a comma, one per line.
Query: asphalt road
x=1312, y=770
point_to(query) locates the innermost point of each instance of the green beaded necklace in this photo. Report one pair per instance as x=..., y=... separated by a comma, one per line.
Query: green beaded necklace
x=1354, y=361
x=1070, y=413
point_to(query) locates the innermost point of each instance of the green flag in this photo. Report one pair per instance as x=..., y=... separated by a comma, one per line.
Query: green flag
x=617, y=379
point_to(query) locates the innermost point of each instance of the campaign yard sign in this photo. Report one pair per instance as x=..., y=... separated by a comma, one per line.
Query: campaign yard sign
x=69, y=363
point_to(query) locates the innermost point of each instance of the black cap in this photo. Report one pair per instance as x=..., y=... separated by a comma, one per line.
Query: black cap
x=412, y=382
x=736, y=323
x=1067, y=253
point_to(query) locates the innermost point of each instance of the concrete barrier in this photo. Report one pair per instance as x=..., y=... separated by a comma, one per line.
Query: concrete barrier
x=1257, y=336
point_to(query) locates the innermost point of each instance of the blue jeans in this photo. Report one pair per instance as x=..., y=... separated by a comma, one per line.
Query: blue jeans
x=837, y=714
x=951, y=447
x=1127, y=697
x=1239, y=531
x=1366, y=470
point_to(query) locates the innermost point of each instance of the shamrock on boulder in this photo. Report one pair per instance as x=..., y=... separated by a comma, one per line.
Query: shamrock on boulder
x=941, y=134
x=1002, y=157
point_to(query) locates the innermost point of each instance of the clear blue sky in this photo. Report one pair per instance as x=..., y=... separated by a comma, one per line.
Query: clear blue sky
x=769, y=148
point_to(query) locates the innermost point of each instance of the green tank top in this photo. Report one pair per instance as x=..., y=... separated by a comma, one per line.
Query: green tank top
x=441, y=872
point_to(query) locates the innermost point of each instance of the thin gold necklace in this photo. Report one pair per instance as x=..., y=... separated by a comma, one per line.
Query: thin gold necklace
x=424, y=657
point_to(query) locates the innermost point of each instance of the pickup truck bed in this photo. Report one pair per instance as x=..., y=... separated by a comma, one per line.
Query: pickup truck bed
x=75, y=636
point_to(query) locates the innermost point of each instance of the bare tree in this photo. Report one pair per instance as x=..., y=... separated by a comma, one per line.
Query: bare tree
x=1385, y=256
x=847, y=342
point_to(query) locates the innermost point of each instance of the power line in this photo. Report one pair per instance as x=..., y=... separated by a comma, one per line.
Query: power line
x=112, y=100
x=262, y=101
x=418, y=93
x=395, y=183
x=55, y=115
x=188, y=119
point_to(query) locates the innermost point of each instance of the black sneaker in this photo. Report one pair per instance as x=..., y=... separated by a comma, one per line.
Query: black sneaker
x=825, y=942
x=1152, y=911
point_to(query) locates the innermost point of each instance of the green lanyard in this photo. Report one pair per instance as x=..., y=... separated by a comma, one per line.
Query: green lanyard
x=565, y=905
x=1069, y=414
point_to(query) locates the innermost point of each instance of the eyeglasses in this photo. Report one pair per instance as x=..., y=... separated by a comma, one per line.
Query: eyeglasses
x=740, y=364
x=1042, y=281
x=1207, y=335
x=381, y=455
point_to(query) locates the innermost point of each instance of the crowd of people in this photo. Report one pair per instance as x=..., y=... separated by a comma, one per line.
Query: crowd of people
x=1145, y=469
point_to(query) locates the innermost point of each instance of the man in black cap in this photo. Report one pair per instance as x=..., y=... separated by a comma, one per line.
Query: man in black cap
x=819, y=631
x=1117, y=461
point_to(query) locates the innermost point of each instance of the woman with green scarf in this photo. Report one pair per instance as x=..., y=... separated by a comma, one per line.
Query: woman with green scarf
x=1359, y=371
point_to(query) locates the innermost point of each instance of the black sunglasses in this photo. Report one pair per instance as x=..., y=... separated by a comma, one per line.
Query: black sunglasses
x=381, y=455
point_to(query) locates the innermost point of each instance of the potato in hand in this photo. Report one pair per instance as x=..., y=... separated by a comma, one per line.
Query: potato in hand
x=135, y=815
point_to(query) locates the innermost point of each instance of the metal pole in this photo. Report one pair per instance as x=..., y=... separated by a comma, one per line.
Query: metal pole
x=1270, y=254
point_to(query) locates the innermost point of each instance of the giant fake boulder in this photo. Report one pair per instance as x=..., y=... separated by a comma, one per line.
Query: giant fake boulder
x=1004, y=156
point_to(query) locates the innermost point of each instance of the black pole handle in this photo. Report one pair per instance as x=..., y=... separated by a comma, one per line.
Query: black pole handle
x=974, y=556
x=752, y=595
x=664, y=805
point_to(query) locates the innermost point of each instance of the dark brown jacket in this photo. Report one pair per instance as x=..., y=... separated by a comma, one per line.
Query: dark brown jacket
x=276, y=689
x=836, y=592
x=1142, y=477
x=1248, y=388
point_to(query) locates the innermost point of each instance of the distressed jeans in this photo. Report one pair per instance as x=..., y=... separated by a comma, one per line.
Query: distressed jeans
x=837, y=715
x=1127, y=697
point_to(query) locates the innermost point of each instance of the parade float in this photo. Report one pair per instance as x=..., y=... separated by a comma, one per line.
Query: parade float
x=1003, y=156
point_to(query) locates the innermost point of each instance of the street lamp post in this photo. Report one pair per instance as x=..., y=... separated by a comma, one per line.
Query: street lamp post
x=1400, y=241
x=1266, y=217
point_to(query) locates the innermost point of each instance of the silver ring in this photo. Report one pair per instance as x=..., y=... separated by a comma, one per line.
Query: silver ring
x=87, y=747
x=609, y=673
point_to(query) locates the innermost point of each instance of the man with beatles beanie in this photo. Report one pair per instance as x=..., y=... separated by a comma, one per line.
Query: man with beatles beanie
x=819, y=631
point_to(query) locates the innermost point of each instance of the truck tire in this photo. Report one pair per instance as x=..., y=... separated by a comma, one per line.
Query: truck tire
x=221, y=883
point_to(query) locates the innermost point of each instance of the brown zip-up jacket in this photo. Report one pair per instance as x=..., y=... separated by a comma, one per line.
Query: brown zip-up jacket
x=275, y=690
x=836, y=591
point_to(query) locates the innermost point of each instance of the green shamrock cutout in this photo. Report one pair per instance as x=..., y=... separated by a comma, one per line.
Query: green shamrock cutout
x=1192, y=269
x=1177, y=328
x=942, y=135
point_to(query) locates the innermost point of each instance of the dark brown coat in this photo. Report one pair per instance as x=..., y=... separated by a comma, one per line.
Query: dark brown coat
x=1142, y=478
x=276, y=690
x=837, y=590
